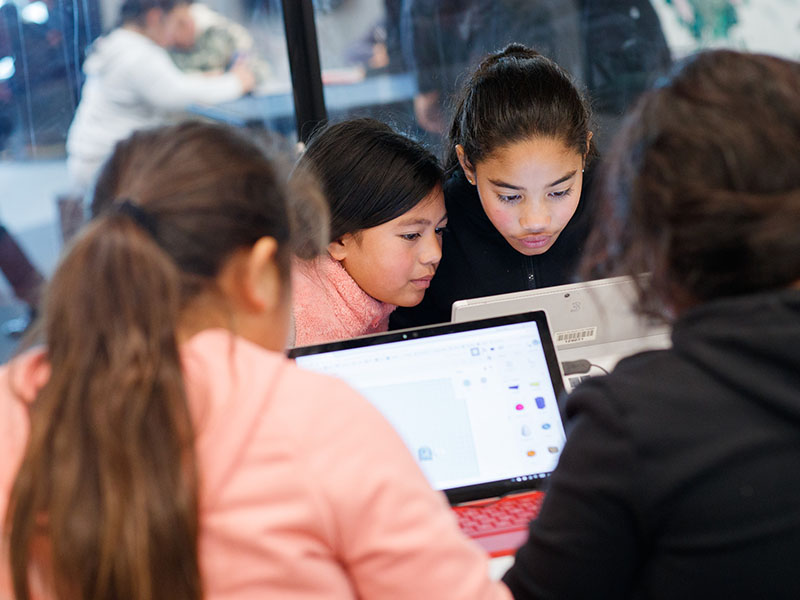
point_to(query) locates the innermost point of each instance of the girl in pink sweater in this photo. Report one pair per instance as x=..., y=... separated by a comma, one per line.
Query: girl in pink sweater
x=387, y=218
x=160, y=446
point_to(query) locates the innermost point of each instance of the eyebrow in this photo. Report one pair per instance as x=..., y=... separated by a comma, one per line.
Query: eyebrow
x=408, y=222
x=414, y=222
x=510, y=186
x=503, y=184
x=569, y=175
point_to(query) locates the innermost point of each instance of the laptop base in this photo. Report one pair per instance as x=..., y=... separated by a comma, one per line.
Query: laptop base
x=500, y=526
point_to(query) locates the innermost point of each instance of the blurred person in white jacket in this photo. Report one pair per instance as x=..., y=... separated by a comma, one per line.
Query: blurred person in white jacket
x=132, y=83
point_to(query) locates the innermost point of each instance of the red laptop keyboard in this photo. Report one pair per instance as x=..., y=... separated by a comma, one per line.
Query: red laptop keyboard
x=505, y=520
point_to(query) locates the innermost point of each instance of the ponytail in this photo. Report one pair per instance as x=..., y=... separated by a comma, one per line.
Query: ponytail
x=513, y=95
x=108, y=478
x=108, y=482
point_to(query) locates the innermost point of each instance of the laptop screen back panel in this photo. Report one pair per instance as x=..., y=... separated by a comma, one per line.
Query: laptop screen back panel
x=581, y=314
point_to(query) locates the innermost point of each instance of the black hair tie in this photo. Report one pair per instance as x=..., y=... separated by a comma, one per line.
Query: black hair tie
x=138, y=215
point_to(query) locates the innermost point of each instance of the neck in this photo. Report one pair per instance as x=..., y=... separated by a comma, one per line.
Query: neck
x=206, y=311
x=212, y=309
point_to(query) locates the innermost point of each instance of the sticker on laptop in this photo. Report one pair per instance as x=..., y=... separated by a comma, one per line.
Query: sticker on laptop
x=575, y=336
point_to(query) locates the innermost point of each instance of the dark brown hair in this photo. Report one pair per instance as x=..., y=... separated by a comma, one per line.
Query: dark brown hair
x=515, y=95
x=135, y=11
x=370, y=173
x=702, y=189
x=108, y=477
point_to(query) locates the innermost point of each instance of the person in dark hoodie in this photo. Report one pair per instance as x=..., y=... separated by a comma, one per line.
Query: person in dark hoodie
x=679, y=475
x=517, y=174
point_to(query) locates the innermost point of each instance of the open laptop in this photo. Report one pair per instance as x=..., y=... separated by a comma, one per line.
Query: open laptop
x=475, y=403
x=593, y=323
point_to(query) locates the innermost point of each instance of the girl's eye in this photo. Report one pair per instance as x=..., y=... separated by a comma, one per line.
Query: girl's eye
x=561, y=194
x=509, y=199
x=409, y=236
x=441, y=230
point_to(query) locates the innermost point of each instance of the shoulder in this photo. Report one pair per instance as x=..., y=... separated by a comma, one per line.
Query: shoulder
x=220, y=361
x=340, y=437
x=20, y=381
x=251, y=406
x=121, y=42
x=642, y=393
x=641, y=369
x=306, y=279
x=330, y=305
x=124, y=53
x=313, y=301
x=241, y=377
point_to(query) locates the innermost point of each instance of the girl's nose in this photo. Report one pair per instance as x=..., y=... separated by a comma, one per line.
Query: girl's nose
x=534, y=216
x=432, y=250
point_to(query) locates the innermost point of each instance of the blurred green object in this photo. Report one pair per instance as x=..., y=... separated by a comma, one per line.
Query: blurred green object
x=711, y=19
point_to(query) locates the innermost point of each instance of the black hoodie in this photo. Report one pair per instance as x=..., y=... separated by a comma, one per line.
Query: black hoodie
x=679, y=478
x=478, y=261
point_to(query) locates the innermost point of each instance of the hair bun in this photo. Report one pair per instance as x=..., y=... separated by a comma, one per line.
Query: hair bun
x=513, y=50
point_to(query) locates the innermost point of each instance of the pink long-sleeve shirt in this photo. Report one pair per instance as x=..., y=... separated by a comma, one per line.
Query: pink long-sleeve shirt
x=306, y=491
x=328, y=305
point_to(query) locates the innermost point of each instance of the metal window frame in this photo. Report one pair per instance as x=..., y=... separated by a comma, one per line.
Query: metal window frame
x=304, y=65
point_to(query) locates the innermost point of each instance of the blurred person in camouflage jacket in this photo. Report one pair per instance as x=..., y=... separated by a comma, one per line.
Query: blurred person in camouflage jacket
x=209, y=42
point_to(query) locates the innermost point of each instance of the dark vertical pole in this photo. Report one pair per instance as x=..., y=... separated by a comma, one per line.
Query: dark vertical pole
x=301, y=41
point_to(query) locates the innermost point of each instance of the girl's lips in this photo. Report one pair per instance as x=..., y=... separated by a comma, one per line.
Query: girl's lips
x=535, y=241
x=422, y=282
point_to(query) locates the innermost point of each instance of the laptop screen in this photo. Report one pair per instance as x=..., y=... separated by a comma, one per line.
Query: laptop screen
x=474, y=402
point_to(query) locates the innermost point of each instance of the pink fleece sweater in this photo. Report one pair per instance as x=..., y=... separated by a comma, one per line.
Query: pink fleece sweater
x=329, y=305
x=306, y=493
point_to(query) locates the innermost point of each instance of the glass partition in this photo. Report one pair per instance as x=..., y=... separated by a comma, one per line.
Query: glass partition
x=396, y=60
x=402, y=60
x=45, y=46
x=364, y=67
x=261, y=44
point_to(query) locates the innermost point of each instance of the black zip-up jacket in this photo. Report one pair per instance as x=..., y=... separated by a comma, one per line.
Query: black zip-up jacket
x=477, y=261
x=679, y=478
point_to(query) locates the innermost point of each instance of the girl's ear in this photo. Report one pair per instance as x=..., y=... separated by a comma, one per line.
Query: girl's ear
x=262, y=285
x=589, y=137
x=469, y=171
x=250, y=279
x=338, y=248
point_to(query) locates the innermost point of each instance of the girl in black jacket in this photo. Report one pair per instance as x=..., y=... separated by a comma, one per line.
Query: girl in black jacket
x=516, y=201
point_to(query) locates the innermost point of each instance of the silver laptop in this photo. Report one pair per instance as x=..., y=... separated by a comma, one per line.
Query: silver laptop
x=593, y=324
x=475, y=402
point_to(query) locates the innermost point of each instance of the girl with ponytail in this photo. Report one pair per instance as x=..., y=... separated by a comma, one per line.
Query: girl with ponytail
x=160, y=445
x=517, y=169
